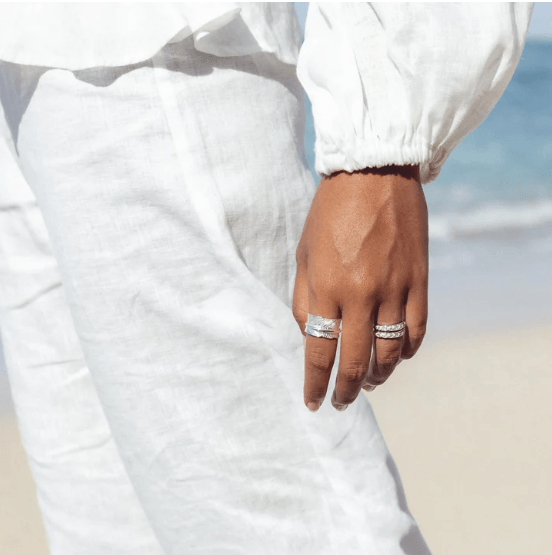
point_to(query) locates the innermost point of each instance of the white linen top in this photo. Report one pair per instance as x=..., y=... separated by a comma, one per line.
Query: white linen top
x=389, y=83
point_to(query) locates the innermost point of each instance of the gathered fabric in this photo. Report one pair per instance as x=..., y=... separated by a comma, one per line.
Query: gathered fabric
x=82, y=35
x=403, y=83
x=390, y=83
x=149, y=222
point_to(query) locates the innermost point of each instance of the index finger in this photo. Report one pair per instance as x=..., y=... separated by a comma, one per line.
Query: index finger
x=319, y=358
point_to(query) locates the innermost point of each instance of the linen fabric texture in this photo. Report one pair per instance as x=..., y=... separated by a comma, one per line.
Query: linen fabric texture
x=170, y=197
x=152, y=196
x=389, y=82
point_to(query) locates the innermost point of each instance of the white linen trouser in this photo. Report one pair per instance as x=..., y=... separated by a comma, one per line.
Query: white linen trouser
x=159, y=390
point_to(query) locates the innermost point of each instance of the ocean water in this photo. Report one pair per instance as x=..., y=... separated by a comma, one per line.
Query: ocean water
x=493, y=197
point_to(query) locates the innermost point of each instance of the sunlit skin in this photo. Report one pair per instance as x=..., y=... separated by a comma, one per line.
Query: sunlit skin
x=362, y=257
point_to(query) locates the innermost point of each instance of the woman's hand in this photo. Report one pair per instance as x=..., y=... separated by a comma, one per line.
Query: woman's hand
x=362, y=257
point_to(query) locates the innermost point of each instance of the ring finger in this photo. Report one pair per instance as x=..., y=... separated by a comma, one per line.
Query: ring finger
x=387, y=352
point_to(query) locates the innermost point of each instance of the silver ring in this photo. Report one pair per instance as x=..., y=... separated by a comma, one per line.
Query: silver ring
x=389, y=334
x=390, y=327
x=318, y=326
x=390, y=331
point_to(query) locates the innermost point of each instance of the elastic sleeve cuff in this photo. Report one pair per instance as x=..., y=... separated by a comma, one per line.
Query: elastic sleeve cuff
x=404, y=83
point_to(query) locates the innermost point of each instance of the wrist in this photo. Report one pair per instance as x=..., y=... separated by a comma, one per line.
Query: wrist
x=389, y=173
x=371, y=187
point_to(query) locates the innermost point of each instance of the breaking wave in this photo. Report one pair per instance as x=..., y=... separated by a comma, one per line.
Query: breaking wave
x=491, y=219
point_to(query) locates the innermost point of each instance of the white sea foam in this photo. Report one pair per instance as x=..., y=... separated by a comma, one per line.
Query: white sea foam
x=490, y=219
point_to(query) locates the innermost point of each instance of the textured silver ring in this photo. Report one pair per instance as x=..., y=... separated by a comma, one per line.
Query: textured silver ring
x=318, y=326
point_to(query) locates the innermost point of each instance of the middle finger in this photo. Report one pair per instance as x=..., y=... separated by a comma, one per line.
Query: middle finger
x=354, y=357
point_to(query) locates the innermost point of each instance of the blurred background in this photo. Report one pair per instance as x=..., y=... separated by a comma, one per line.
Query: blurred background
x=468, y=419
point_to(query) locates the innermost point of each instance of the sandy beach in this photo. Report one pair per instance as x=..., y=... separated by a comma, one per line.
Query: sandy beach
x=21, y=530
x=467, y=422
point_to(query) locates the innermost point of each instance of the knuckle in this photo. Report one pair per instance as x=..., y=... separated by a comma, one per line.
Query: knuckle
x=423, y=282
x=299, y=314
x=388, y=353
x=301, y=252
x=417, y=332
x=420, y=271
x=421, y=324
x=355, y=372
x=385, y=363
x=361, y=284
x=385, y=368
x=320, y=285
x=318, y=361
x=396, y=286
x=357, y=281
x=388, y=361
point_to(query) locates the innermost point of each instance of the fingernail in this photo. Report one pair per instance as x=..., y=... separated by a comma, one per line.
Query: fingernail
x=313, y=407
x=341, y=407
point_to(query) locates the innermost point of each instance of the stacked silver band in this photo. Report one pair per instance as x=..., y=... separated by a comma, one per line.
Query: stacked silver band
x=323, y=327
x=329, y=328
x=391, y=331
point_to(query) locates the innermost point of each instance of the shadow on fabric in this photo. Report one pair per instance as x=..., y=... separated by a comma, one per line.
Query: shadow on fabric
x=18, y=82
x=412, y=542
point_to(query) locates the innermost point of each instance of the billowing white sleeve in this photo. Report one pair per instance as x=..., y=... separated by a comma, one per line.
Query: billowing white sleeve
x=404, y=83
